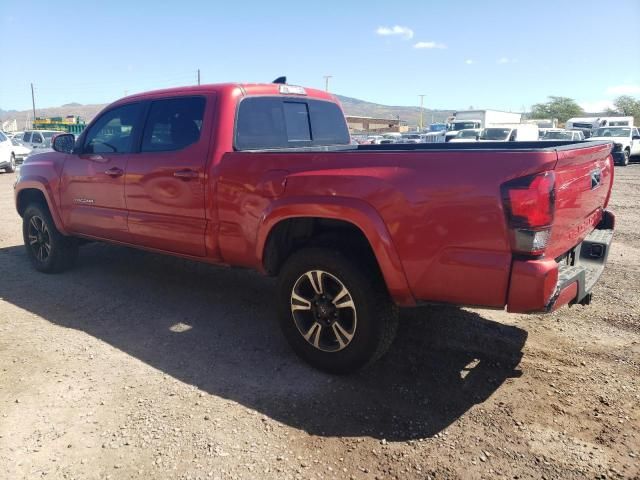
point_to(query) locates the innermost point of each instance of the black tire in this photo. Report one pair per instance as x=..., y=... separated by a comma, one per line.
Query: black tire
x=12, y=164
x=627, y=156
x=39, y=231
x=371, y=323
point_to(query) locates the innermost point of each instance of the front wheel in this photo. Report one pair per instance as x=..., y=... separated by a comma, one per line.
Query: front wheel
x=336, y=315
x=48, y=250
x=12, y=164
x=627, y=156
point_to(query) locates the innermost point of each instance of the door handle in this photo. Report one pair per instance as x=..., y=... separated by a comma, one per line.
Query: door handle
x=114, y=172
x=186, y=174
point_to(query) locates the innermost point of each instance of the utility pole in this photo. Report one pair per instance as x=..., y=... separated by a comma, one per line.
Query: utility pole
x=33, y=103
x=326, y=81
x=198, y=76
x=421, y=112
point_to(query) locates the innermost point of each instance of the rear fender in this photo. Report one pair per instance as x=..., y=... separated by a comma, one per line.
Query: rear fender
x=354, y=211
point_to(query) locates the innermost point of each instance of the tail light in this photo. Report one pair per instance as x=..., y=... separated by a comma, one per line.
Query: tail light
x=529, y=203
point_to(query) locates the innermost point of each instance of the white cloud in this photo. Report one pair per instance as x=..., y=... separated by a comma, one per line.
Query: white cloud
x=429, y=45
x=469, y=62
x=396, y=30
x=503, y=60
x=624, y=90
x=596, y=106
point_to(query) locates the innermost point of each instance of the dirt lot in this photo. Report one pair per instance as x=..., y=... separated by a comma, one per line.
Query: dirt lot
x=135, y=365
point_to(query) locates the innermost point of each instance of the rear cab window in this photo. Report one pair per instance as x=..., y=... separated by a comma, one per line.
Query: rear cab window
x=288, y=122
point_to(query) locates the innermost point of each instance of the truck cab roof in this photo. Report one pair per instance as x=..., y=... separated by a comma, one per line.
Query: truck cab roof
x=243, y=89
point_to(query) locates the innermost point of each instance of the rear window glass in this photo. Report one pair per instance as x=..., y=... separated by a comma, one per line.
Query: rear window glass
x=296, y=121
x=276, y=122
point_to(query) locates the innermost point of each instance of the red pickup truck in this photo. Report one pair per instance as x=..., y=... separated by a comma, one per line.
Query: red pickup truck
x=264, y=176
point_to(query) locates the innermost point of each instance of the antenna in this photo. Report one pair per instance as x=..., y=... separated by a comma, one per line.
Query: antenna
x=280, y=80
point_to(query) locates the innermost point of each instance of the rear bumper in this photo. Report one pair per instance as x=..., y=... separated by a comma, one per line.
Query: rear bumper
x=546, y=285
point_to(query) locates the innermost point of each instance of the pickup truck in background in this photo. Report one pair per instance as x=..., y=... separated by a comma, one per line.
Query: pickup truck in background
x=263, y=176
x=626, y=142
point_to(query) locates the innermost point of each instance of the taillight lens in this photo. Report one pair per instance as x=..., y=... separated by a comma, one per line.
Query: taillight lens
x=529, y=204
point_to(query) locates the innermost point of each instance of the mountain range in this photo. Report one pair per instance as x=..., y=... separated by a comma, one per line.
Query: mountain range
x=351, y=106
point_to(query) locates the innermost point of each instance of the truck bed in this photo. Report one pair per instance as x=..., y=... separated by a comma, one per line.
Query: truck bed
x=443, y=208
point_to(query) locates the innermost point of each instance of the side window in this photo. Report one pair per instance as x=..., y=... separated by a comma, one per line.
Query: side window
x=2, y=137
x=36, y=137
x=26, y=137
x=514, y=133
x=114, y=131
x=173, y=124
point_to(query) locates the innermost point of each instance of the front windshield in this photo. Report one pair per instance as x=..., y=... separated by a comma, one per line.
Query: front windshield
x=495, y=134
x=558, y=136
x=463, y=125
x=412, y=137
x=467, y=134
x=437, y=127
x=611, y=132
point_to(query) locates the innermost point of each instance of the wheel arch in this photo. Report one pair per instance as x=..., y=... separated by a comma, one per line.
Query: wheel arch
x=33, y=191
x=300, y=217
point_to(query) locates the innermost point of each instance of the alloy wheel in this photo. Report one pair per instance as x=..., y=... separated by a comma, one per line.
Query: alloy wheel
x=39, y=238
x=323, y=311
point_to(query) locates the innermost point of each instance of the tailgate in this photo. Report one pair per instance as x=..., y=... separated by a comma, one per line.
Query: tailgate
x=584, y=176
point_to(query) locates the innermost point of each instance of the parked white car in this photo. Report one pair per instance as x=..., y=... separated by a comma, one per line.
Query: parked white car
x=20, y=151
x=7, y=155
x=412, y=138
x=38, y=139
x=560, y=134
x=523, y=132
x=626, y=141
x=468, y=135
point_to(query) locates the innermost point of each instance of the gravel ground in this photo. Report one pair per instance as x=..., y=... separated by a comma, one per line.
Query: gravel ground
x=135, y=365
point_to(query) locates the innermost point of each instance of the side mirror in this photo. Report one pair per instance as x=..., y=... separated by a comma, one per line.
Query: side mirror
x=64, y=143
x=635, y=137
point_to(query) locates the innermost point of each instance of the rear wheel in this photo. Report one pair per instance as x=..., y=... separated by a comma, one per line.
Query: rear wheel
x=48, y=250
x=12, y=164
x=334, y=315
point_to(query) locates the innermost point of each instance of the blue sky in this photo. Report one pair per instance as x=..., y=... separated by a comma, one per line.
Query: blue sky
x=489, y=54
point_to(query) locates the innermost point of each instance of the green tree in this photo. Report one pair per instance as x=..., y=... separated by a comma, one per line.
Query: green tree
x=562, y=108
x=628, y=106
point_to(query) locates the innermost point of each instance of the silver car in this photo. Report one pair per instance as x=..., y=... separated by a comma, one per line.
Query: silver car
x=38, y=139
